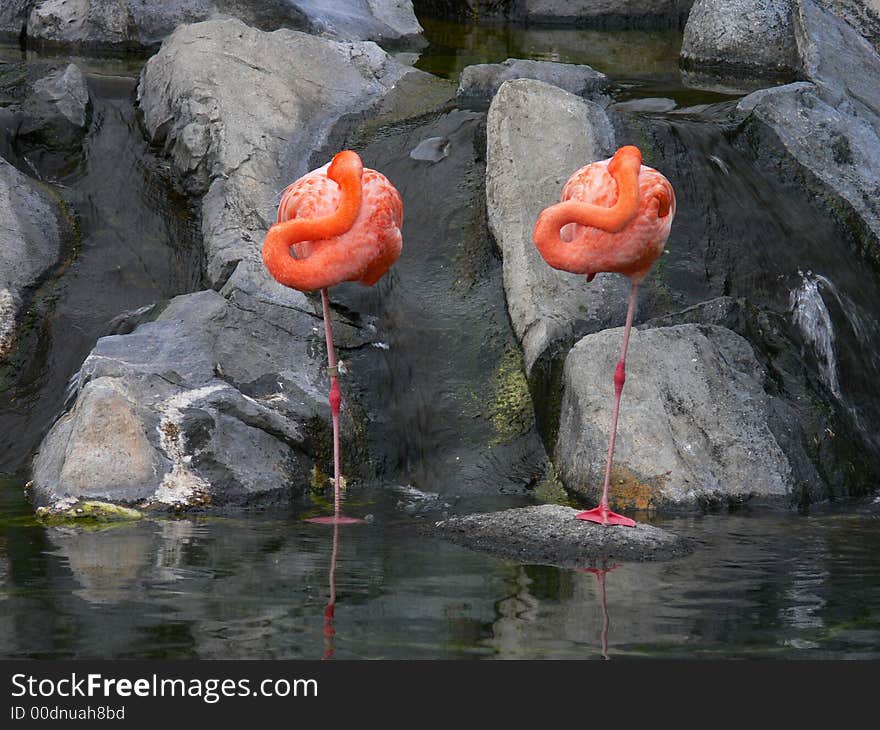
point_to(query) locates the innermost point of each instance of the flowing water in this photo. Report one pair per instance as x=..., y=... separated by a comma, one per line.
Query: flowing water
x=450, y=424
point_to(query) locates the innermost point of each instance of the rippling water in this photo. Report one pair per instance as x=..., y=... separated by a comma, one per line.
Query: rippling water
x=770, y=585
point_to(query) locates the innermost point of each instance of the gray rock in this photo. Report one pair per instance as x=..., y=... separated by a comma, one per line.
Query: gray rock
x=825, y=135
x=537, y=135
x=549, y=534
x=275, y=102
x=137, y=24
x=65, y=93
x=30, y=243
x=863, y=15
x=694, y=426
x=13, y=19
x=752, y=35
x=182, y=412
x=482, y=81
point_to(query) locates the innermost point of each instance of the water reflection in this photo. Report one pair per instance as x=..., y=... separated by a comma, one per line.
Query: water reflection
x=600, y=574
x=330, y=608
x=772, y=585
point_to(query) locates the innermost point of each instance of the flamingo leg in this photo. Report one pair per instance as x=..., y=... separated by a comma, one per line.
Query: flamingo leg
x=603, y=514
x=335, y=404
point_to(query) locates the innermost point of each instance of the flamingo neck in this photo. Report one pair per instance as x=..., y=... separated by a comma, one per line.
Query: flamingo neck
x=624, y=169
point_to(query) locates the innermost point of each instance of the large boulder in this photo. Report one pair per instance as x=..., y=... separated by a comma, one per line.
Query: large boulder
x=30, y=244
x=482, y=80
x=179, y=413
x=537, y=135
x=825, y=135
x=235, y=108
x=135, y=24
x=221, y=399
x=694, y=429
x=753, y=35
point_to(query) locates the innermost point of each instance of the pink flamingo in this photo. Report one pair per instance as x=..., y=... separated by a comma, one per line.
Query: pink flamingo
x=338, y=223
x=614, y=216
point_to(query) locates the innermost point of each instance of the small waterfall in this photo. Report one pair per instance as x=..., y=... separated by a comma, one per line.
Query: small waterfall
x=812, y=317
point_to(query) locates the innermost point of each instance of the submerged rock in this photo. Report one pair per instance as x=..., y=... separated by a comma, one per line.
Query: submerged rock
x=694, y=429
x=550, y=534
x=750, y=35
x=30, y=244
x=482, y=81
x=125, y=25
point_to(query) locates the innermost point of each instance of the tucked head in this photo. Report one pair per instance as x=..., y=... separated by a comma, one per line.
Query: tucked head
x=625, y=157
x=344, y=164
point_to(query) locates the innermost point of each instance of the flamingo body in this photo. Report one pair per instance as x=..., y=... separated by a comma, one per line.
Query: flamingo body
x=363, y=252
x=614, y=216
x=338, y=223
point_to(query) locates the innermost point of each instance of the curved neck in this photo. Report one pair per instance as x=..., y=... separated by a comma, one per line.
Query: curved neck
x=308, y=274
x=346, y=170
x=624, y=169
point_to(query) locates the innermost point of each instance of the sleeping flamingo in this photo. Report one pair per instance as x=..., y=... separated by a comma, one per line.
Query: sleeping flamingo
x=338, y=223
x=614, y=216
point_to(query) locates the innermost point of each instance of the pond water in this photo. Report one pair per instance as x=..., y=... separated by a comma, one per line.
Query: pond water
x=450, y=428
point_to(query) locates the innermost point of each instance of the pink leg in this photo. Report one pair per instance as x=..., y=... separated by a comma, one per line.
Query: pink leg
x=335, y=404
x=602, y=514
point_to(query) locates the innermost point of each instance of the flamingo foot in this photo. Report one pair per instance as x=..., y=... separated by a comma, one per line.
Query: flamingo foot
x=605, y=516
x=335, y=520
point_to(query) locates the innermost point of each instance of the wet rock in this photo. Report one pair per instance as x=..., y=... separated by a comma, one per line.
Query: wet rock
x=653, y=105
x=45, y=116
x=694, y=428
x=238, y=143
x=537, y=136
x=482, y=81
x=30, y=244
x=751, y=35
x=65, y=93
x=551, y=535
x=825, y=135
x=125, y=25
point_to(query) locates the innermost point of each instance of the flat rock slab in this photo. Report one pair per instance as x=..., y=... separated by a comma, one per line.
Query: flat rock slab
x=549, y=534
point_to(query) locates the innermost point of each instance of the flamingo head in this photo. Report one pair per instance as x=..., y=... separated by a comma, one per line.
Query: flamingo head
x=345, y=164
x=625, y=156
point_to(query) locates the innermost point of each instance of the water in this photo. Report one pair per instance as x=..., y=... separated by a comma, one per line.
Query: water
x=449, y=422
x=768, y=586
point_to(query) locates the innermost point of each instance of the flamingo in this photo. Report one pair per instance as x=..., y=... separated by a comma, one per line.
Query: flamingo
x=614, y=216
x=338, y=223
